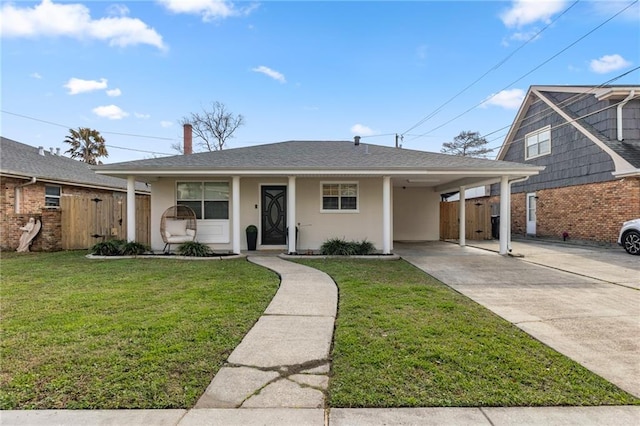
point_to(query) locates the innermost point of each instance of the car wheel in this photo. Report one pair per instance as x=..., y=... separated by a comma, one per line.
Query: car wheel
x=631, y=242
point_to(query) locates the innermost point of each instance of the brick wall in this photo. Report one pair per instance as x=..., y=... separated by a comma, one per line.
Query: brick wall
x=32, y=205
x=590, y=212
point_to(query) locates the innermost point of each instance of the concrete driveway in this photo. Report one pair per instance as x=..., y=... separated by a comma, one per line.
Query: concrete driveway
x=585, y=303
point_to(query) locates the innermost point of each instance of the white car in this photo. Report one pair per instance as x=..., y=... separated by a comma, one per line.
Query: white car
x=629, y=237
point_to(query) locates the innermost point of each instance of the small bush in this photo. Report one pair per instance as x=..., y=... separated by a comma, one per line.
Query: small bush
x=195, y=249
x=133, y=248
x=366, y=247
x=341, y=247
x=107, y=248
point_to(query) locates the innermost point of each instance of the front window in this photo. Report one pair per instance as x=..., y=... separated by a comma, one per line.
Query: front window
x=52, y=196
x=339, y=197
x=538, y=143
x=209, y=200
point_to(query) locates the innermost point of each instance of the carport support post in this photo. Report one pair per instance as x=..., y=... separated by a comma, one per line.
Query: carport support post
x=386, y=215
x=505, y=197
x=291, y=214
x=235, y=200
x=131, y=208
x=462, y=215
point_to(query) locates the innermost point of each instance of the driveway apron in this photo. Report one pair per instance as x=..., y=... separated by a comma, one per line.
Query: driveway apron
x=283, y=362
x=593, y=322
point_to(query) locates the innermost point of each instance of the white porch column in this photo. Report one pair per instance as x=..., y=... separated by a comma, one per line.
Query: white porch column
x=291, y=214
x=386, y=215
x=131, y=208
x=235, y=214
x=505, y=202
x=462, y=217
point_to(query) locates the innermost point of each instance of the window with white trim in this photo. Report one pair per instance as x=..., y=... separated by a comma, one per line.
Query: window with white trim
x=209, y=200
x=538, y=143
x=339, y=196
x=52, y=196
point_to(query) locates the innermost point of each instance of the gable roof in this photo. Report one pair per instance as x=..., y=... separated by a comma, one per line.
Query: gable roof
x=625, y=154
x=318, y=158
x=25, y=161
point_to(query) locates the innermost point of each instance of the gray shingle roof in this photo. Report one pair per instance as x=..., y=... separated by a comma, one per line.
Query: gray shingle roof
x=24, y=160
x=316, y=155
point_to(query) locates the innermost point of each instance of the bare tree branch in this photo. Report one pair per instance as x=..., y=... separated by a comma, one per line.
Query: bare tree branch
x=213, y=127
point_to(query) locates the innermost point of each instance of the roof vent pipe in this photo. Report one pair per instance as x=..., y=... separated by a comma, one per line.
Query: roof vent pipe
x=51, y=150
x=356, y=140
x=188, y=139
x=619, y=117
x=58, y=152
x=41, y=150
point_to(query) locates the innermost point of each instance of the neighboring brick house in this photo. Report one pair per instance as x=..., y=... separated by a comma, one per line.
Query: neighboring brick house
x=32, y=183
x=588, y=139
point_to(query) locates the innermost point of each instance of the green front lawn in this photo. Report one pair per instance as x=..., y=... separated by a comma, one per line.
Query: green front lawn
x=403, y=339
x=138, y=333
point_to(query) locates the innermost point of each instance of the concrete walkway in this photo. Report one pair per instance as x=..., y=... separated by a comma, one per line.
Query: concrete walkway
x=278, y=374
x=283, y=362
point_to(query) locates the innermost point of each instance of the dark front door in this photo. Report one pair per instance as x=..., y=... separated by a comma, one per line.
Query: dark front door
x=274, y=215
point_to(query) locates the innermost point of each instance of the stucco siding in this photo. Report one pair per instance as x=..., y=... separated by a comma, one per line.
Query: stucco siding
x=416, y=214
x=317, y=226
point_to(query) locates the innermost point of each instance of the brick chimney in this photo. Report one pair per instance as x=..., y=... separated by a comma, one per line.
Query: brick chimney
x=188, y=139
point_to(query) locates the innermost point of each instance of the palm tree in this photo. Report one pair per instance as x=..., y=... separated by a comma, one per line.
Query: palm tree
x=86, y=145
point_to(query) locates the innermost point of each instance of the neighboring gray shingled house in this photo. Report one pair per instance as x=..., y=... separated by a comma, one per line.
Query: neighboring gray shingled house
x=588, y=139
x=322, y=189
x=34, y=181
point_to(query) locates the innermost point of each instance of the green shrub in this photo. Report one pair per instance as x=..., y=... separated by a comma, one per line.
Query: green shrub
x=341, y=247
x=133, y=248
x=366, y=247
x=195, y=249
x=107, y=248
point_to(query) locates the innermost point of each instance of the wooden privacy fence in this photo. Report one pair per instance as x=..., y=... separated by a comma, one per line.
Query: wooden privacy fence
x=477, y=223
x=86, y=221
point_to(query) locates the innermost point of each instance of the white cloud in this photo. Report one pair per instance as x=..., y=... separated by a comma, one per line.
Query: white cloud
x=524, y=12
x=112, y=112
x=608, y=63
x=49, y=19
x=271, y=73
x=165, y=124
x=508, y=99
x=362, y=130
x=208, y=9
x=142, y=116
x=35, y=75
x=114, y=92
x=76, y=85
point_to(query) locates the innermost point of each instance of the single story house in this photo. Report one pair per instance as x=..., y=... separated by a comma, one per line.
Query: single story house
x=301, y=193
x=33, y=183
x=587, y=138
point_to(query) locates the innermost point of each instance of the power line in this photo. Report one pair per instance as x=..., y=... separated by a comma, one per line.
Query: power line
x=104, y=133
x=493, y=68
x=531, y=71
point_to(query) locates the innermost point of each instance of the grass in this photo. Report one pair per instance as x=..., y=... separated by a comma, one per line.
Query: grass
x=139, y=333
x=403, y=339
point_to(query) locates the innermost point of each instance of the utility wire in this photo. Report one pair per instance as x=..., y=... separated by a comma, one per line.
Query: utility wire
x=493, y=68
x=104, y=133
x=567, y=102
x=531, y=71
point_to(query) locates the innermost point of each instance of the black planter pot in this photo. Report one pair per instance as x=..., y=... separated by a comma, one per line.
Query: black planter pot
x=252, y=239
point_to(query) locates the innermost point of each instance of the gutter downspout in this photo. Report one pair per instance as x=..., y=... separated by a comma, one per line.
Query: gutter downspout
x=619, y=116
x=18, y=193
x=509, y=211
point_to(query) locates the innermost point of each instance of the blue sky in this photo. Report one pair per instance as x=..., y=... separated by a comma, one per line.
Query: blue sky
x=301, y=70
